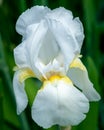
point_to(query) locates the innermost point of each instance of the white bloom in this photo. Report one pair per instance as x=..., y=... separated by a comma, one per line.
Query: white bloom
x=49, y=51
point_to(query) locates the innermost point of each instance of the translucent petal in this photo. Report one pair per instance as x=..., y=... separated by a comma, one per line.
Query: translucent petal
x=59, y=102
x=79, y=75
x=26, y=54
x=49, y=49
x=21, y=52
x=20, y=94
x=30, y=16
x=73, y=26
x=35, y=41
x=21, y=56
x=64, y=40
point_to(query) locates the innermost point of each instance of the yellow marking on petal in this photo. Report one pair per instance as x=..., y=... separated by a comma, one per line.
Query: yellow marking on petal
x=55, y=80
x=76, y=63
x=54, y=77
x=60, y=78
x=67, y=80
x=25, y=73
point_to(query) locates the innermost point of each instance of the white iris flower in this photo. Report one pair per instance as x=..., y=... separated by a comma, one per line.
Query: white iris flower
x=50, y=51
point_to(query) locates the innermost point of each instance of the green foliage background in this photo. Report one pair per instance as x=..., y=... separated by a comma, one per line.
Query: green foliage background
x=91, y=14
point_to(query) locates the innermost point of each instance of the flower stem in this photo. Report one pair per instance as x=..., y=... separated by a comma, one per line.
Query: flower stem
x=65, y=128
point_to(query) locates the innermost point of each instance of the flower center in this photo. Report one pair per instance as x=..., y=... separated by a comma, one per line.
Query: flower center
x=55, y=80
x=54, y=77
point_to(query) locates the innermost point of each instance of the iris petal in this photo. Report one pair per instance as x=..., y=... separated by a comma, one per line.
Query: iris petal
x=20, y=94
x=21, y=56
x=71, y=24
x=38, y=33
x=26, y=54
x=59, y=102
x=30, y=16
x=64, y=40
x=52, y=51
x=79, y=75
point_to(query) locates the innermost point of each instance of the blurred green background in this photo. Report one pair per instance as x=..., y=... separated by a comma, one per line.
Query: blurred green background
x=91, y=13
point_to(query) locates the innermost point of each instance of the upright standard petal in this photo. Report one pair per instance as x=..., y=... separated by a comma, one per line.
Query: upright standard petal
x=20, y=94
x=52, y=51
x=59, y=102
x=30, y=16
x=27, y=53
x=64, y=40
x=79, y=76
x=72, y=25
x=34, y=41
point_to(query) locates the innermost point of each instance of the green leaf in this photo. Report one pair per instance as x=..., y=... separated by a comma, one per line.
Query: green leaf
x=91, y=121
x=9, y=108
x=40, y=2
x=1, y=107
x=55, y=127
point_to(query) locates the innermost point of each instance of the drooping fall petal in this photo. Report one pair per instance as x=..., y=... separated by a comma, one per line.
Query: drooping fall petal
x=79, y=76
x=59, y=102
x=20, y=94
